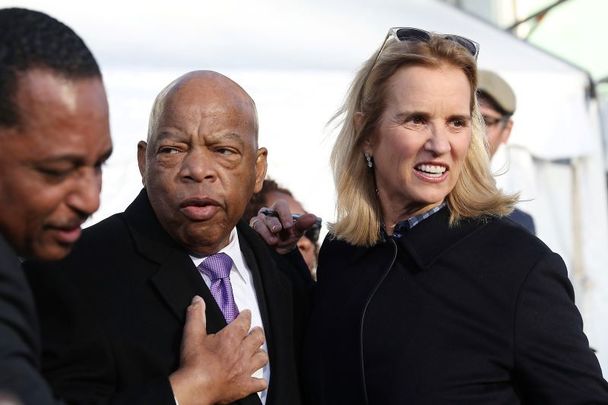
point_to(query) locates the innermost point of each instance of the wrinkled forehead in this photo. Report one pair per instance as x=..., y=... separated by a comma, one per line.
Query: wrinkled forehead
x=202, y=102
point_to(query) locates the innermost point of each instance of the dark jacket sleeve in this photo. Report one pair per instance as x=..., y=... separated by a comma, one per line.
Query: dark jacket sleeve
x=553, y=361
x=77, y=358
x=19, y=373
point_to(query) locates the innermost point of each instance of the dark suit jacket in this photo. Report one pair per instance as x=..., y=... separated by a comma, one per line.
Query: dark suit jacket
x=112, y=313
x=19, y=335
x=479, y=313
x=524, y=219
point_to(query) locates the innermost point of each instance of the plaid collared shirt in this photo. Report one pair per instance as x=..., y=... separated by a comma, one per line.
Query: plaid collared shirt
x=407, y=224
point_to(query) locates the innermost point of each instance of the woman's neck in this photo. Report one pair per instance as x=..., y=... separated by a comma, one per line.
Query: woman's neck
x=391, y=217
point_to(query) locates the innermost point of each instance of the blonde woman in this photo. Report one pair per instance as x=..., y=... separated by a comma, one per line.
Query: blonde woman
x=426, y=293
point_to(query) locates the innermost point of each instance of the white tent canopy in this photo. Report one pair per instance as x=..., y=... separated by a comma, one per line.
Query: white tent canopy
x=297, y=59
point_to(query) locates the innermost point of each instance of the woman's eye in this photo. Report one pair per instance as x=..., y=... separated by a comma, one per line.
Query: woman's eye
x=416, y=120
x=459, y=123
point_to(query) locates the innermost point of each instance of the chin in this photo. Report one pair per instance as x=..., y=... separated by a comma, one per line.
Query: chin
x=200, y=241
x=50, y=253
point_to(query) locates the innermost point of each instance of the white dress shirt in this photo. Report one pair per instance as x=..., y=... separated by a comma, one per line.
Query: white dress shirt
x=243, y=291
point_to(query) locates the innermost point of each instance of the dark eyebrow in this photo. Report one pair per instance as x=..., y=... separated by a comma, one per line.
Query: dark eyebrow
x=466, y=117
x=77, y=160
x=406, y=114
x=168, y=134
x=228, y=136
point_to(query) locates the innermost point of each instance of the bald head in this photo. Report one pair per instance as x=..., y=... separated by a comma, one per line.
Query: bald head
x=201, y=164
x=203, y=84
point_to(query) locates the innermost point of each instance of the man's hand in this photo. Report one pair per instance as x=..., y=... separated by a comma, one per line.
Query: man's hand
x=279, y=230
x=217, y=368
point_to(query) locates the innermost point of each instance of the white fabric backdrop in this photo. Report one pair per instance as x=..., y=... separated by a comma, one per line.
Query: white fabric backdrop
x=297, y=59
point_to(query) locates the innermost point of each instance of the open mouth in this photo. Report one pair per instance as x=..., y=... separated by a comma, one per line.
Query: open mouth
x=432, y=171
x=199, y=209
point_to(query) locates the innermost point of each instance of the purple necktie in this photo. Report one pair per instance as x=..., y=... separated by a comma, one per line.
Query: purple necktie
x=217, y=267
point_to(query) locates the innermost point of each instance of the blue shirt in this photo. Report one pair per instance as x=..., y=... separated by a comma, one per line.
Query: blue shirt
x=403, y=226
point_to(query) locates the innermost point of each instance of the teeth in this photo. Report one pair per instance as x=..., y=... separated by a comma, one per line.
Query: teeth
x=432, y=169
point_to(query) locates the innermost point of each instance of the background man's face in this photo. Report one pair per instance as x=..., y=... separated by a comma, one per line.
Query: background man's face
x=201, y=166
x=50, y=168
x=497, y=129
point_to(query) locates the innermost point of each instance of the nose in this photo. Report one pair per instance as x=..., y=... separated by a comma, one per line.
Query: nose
x=197, y=166
x=84, y=196
x=438, y=142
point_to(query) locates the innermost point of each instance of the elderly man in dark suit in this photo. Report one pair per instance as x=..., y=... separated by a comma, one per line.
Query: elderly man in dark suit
x=54, y=132
x=113, y=311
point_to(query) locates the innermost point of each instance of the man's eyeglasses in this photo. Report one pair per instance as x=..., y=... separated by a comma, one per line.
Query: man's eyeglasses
x=492, y=121
x=416, y=34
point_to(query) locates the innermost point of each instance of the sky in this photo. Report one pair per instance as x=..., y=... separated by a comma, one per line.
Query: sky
x=576, y=30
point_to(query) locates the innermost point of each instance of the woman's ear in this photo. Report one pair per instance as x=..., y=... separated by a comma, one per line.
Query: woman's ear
x=358, y=120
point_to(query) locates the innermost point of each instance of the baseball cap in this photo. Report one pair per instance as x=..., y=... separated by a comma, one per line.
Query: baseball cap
x=496, y=87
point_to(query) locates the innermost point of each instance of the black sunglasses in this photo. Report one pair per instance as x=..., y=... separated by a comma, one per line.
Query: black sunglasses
x=313, y=232
x=416, y=34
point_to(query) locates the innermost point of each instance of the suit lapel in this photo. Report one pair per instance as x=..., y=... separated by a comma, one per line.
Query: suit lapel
x=274, y=295
x=252, y=263
x=175, y=277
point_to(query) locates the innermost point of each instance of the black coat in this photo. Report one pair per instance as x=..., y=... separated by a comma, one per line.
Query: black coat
x=112, y=313
x=19, y=335
x=479, y=313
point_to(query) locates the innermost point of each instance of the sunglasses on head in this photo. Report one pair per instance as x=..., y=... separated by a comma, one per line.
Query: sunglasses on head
x=403, y=34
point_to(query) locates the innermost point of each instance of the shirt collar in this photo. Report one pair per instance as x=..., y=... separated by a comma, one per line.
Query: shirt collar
x=232, y=249
x=403, y=226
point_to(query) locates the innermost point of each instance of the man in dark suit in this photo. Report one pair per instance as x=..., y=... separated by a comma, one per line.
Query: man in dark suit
x=113, y=311
x=54, y=132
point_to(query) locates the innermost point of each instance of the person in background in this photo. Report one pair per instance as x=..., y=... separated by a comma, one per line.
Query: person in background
x=113, y=311
x=54, y=137
x=425, y=294
x=268, y=195
x=497, y=105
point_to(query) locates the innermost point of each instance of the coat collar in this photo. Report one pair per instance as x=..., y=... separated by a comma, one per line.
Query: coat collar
x=175, y=278
x=427, y=241
x=430, y=239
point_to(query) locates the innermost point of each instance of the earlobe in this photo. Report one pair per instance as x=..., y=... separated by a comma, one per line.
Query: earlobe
x=141, y=160
x=367, y=147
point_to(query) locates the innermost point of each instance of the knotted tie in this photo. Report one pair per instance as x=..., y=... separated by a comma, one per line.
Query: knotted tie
x=217, y=267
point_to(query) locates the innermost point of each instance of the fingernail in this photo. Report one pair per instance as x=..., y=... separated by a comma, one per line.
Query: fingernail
x=196, y=300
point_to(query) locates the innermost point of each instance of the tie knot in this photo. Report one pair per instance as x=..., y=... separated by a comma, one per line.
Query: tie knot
x=216, y=266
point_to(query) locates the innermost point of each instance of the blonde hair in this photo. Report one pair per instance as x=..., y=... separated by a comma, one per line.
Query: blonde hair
x=359, y=215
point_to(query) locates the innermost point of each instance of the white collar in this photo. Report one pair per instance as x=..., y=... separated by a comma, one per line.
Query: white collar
x=232, y=249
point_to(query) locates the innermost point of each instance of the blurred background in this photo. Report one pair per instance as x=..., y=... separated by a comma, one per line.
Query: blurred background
x=297, y=58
